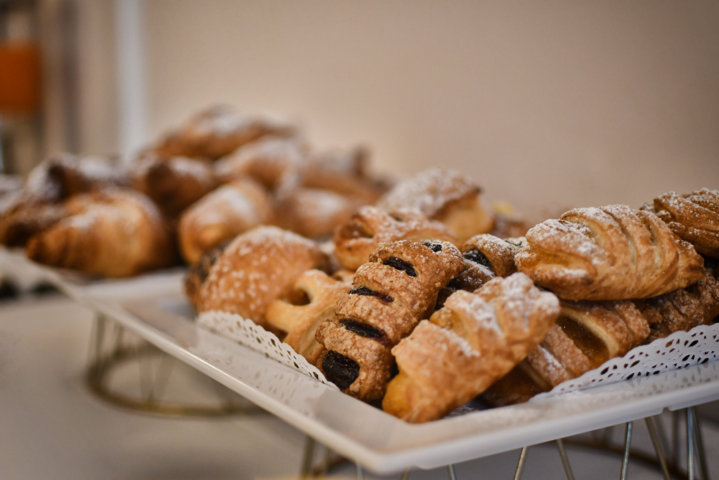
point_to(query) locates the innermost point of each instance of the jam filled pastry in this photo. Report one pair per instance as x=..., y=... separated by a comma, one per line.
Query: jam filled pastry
x=356, y=239
x=114, y=233
x=222, y=214
x=608, y=253
x=173, y=183
x=585, y=335
x=389, y=295
x=312, y=300
x=447, y=196
x=467, y=345
x=216, y=132
x=256, y=268
x=693, y=216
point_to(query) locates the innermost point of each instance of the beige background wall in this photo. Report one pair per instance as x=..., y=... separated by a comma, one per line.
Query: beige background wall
x=546, y=104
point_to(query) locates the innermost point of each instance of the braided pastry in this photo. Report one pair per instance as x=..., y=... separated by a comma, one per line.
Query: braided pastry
x=313, y=299
x=693, y=216
x=356, y=239
x=390, y=294
x=464, y=347
x=608, y=253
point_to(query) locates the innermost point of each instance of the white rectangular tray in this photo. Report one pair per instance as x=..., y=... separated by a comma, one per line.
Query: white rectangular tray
x=153, y=307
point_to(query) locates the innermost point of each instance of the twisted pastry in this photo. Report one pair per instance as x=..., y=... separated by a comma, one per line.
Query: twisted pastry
x=464, y=347
x=390, y=294
x=693, y=216
x=356, y=239
x=608, y=253
x=313, y=300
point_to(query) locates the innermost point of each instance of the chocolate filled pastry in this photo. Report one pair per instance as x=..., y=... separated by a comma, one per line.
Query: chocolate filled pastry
x=173, y=183
x=475, y=339
x=256, y=268
x=197, y=273
x=447, y=196
x=222, y=214
x=693, y=216
x=608, y=253
x=356, y=239
x=314, y=213
x=216, y=132
x=585, y=335
x=297, y=315
x=485, y=257
x=389, y=295
x=114, y=233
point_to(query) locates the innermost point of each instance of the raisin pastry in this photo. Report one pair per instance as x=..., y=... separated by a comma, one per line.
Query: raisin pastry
x=693, y=216
x=585, y=335
x=443, y=195
x=389, y=295
x=475, y=339
x=356, y=239
x=608, y=253
x=256, y=268
x=114, y=233
x=222, y=214
x=216, y=132
x=297, y=316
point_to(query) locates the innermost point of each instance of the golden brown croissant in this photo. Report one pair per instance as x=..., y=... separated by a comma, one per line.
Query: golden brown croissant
x=114, y=233
x=443, y=195
x=23, y=216
x=464, y=347
x=256, y=268
x=222, y=214
x=608, y=253
x=693, y=216
x=390, y=294
x=312, y=300
x=356, y=239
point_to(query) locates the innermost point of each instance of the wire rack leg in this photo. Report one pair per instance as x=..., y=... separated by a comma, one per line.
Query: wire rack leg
x=360, y=473
x=627, y=445
x=699, y=443
x=520, y=463
x=565, y=459
x=451, y=472
x=657, y=446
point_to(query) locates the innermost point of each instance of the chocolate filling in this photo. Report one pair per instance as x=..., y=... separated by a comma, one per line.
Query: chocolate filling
x=371, y=293
x=476, y=256
x=400, y=264
x=435, y=247
x=340, y=370
x=592, y=346
x=364, y=330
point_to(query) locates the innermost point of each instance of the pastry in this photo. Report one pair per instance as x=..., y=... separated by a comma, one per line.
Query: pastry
x=114, y=233
x=608, y=253
x=256, y=268
x=390, y=293
x=23, y=216
x=485, y=257
x=222, y=214
x=447, y=196
x=475, y=339
x=356, y=239
x=312, y=300
x=314, y=213
x=693, y=216
x=197, y=273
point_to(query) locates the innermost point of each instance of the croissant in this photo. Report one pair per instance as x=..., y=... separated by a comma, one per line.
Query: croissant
x=390, y=294
x=23, y=216
x=443, y=195
x=608, y=253
x=222, y=214
x=693, y=216
x=114, y=233
x=464, y=347
x=313, y=299
x=355, y=240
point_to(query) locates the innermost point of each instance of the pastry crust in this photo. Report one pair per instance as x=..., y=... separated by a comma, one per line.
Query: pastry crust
x=222, y=214
x=315, y=213
x=356, y=239
x=608, y=253
x=114, y=233
x=24, y=216
x=256, y=268
x=463, y=348
x=390, y=294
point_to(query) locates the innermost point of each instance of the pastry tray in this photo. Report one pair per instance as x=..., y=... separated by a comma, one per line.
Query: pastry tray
x=153, y=307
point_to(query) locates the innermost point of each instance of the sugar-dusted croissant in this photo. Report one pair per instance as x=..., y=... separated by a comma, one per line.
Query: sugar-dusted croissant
x=608, y=253
x=313, y=299
x=222, y=214
x=114, y=233
x=256, y=268
x=693, y=216
x=467, y=345
x=447, y=196
x=356, y=239
x=390, y=294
